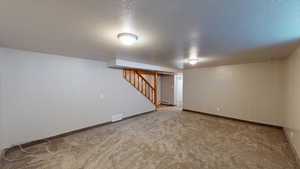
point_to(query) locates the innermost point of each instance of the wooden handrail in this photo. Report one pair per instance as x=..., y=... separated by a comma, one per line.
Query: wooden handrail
x=142, y=84
x=144, y=79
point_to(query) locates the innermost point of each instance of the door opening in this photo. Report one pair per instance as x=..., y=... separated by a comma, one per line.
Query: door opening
x=170, y=89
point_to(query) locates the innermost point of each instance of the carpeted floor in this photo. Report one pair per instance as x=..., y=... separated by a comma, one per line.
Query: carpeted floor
x=167, y=139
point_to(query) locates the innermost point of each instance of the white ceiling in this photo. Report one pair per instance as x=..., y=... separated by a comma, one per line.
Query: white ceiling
x=220, y=31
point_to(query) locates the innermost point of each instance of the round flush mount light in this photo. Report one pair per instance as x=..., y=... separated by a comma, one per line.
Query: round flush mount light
x=127, y=38
x=192, y=61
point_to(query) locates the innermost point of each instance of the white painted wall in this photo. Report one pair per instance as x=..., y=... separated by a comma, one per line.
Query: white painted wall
x=292, y=100
x=44, y=95
x=1, y=113
x=121, y=63
x=252, y=92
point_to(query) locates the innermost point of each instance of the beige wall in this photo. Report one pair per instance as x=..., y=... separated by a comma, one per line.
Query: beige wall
x=43, y=95
x=292, y=100
x=267, y=92
x=252, y=92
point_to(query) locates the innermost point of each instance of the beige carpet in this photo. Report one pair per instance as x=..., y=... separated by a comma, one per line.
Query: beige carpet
x=168, y=139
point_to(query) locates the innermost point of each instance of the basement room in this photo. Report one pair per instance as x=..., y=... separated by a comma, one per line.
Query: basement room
x=149, y=84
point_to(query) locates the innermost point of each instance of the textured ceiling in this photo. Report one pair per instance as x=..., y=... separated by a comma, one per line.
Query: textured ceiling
x=218, y=31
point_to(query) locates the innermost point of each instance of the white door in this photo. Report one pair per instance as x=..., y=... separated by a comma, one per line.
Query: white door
x=167, y=89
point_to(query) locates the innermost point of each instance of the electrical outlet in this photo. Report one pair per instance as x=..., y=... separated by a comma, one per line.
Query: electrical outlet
x=291, y=134
x=218, y=109
x=101, y=96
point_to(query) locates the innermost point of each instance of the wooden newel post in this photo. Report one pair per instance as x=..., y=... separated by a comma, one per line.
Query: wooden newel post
x=155, y=88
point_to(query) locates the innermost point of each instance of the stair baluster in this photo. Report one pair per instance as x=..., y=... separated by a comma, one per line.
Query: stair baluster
x=141, y=84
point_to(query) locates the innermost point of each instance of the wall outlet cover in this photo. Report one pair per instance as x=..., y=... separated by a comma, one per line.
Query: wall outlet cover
x=292, y=134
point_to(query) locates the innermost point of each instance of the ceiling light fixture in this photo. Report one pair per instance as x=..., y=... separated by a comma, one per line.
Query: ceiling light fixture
x=127, y=38
x=192, y=61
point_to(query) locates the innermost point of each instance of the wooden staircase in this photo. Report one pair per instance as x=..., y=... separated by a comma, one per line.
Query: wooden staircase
x=138, y=81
